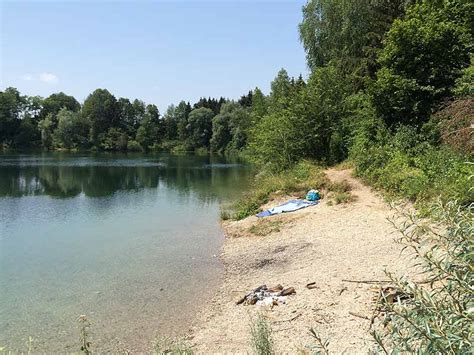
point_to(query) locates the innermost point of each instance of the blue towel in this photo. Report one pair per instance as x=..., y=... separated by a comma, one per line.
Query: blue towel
x=289, y=206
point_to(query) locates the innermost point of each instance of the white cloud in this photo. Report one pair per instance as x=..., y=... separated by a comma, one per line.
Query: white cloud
x=48, y=78
x=27, y=77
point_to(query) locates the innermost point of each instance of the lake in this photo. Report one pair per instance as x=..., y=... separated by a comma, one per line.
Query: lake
x=130, y=241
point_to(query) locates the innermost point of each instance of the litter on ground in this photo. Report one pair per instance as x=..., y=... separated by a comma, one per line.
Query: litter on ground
x=264, y=296
x=313, y=195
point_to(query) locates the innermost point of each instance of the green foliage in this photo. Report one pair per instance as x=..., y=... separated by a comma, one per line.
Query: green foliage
x=259, y=105
x=171, y=122
x=200, y=127
x=276, y=141
x=437, y=316
x=401, y=100
x=133, y=146
x=340, y=192
x=11, y=106
x=348, y=33
x=423, y=55
x=304, y=121
x=230, y=127
x=101, y=110
x=148, y=132
x=465, y=83
x=115, y=140
x=27, y=135
x=46, y=127
x=261, y=340
x=72, y=130
x=55, y=102
x=342, y=197
x=279, y=98
x=405, y=165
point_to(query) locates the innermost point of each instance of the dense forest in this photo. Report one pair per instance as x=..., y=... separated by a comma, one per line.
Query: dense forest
x=390, y=87
x=106, y=123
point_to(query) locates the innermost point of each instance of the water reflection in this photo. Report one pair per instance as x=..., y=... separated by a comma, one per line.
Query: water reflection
x=65, y=176
x=116, y=237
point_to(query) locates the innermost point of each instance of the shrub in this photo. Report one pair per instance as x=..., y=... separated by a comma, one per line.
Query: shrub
x=405, y=165
x=437, y=316
x=261, y=340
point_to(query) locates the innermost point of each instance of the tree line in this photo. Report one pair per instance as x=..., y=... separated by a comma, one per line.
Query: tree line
x=104, y=122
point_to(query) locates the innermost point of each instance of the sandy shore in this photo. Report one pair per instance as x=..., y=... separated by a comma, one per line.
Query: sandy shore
x=322, y=244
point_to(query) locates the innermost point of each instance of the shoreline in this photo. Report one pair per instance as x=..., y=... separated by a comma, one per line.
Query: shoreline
x=325, y=244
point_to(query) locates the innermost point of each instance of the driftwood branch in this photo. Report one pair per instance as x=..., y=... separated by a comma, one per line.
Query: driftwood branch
x=287, y=320
x=358, y=315
x=368, y=281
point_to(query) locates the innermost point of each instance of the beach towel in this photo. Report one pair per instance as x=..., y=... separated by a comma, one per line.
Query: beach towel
x=289, y=206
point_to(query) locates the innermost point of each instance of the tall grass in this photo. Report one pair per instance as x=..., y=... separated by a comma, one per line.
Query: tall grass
x=438, y=315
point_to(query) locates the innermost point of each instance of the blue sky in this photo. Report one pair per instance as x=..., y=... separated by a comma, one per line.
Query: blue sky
x=157, y=51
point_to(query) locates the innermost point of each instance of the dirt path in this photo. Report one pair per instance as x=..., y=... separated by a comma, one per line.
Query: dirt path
x=323, y=244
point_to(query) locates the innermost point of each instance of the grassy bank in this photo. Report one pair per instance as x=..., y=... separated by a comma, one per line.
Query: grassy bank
x=297, y=181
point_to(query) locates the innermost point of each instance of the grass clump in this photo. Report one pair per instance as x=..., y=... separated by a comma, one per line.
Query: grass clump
x=343, y=197
x=226, y=214
x=438, y=317
x=265, y=227
x=84, y=334
x=340, y=192
x=344, y=165
x=298, y=180
x=261, y=340
x=340, y=186
x=172, y=346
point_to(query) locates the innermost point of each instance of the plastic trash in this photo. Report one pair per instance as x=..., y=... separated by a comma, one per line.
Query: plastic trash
x=313, y=195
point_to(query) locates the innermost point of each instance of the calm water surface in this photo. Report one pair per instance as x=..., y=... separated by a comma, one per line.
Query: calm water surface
x=128, y=240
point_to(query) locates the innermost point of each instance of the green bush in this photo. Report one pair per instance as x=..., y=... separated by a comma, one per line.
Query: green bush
x=261, y=340
x=434, y=316
x=405, y=165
